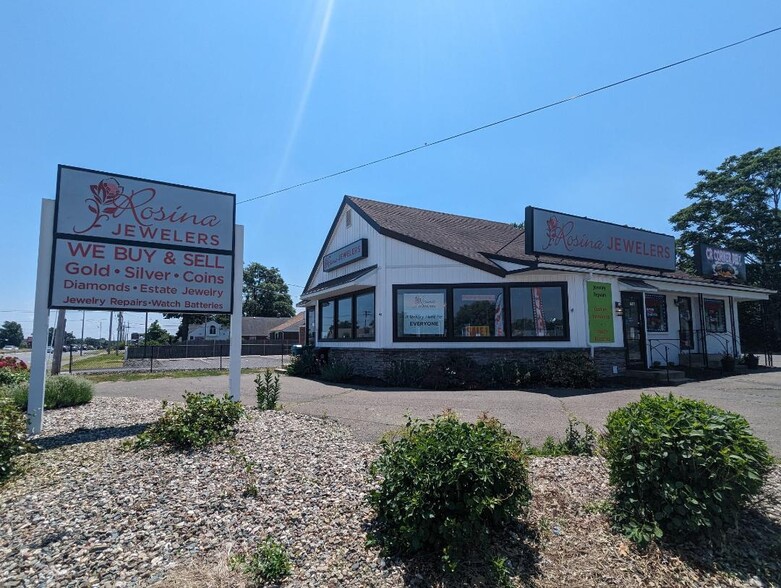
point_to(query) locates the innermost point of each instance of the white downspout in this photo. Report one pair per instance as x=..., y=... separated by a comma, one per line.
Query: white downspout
x=585, y=313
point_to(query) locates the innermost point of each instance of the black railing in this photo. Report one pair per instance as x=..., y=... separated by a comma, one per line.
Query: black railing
x=660, y=346
x=211, y=349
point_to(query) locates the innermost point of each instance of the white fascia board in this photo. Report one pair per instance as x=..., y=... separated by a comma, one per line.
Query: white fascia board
x=661, y=282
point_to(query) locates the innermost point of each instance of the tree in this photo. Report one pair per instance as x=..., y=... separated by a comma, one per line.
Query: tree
x=737, y=207
x=157, y=335
x=68, y=338
x=265, y=292
x=11, y=334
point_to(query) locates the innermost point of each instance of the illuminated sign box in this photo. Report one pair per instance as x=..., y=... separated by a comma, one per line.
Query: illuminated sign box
x=564, y=235
x=714, y=262
x=126, y=243
x=347, y=254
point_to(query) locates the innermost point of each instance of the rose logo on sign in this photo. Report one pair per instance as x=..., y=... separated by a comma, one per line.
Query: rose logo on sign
x=109, y=201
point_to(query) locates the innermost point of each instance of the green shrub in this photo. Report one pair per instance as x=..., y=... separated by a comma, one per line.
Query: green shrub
x=267, y=389
x=455, y=372
x=305, y=364
x=268, y=563
x=203, y=420
x=406, y=373
x=336, y=370
x=570, y=369
x=681, y=467
x=61, y=391
x=13, y=435
x=445, y=484
x=574, y=443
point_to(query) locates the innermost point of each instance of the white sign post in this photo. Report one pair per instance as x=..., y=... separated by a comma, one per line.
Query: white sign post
x=114, y=242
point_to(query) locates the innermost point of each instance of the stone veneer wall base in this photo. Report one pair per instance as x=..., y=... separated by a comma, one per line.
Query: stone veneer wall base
x=373, y=363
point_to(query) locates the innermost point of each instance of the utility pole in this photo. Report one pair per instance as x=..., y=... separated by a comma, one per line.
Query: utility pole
x=81, y=347
x=59, y=340
x=110, y=325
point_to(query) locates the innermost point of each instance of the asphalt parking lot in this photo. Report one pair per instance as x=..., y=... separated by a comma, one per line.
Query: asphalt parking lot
x=370, y=412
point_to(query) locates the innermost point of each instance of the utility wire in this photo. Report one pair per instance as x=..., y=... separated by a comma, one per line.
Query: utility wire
x=513, y=117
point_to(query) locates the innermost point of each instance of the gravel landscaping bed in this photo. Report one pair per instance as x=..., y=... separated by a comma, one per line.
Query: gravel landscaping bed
x=87, y=512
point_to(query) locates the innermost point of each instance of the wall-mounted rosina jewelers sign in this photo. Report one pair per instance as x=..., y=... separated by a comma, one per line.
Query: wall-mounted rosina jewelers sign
x=564, y=235
x=126, y=243
x=347, y=254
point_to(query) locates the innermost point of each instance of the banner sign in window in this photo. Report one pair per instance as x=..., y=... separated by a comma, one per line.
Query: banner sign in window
x=126, y=243
x=564, y=235
x=600, y=312
x=424, y=313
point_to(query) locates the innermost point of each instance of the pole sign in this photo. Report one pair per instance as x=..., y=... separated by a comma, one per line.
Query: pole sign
x=600, y=312
x=719, y=263
x=126, y=243
x=575, y=237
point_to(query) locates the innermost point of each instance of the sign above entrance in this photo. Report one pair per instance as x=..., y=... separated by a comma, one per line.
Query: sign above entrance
x=125, y=243
x=564, y=235
x=346, y=255
x=719, y=263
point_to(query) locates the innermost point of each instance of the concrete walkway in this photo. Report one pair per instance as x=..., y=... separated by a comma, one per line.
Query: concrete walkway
x=370, y=412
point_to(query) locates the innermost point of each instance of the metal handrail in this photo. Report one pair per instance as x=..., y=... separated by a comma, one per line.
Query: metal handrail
x=657, y=342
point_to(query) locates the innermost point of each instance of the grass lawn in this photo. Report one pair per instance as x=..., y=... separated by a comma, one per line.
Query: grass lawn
x=135, y=376
x=94, y=362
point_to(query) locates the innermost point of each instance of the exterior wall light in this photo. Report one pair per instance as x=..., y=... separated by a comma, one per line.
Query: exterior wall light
x=619, y=309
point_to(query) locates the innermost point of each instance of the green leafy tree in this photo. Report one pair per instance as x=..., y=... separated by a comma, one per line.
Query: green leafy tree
x=737, y=207
x=11, y=334
x=157, y=335
x=265, y=292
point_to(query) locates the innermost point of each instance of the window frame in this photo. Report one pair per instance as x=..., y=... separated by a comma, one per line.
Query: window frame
x=335, y=301
x=723, y=315
x=450, y=315
x=665, y=319
x=311, y=323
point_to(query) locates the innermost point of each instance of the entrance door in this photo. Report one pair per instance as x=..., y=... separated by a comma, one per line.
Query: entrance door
x=685, y=320
x=634, y=330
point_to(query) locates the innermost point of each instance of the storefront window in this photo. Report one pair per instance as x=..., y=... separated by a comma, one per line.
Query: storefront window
x=327, y=319
x=344, y=318
x=364, y=316
x=715, y=316
x=538, y=312
x=656, y=313
x=478, y=312
x=421, y=313
x=310, y=326
x=348, y=317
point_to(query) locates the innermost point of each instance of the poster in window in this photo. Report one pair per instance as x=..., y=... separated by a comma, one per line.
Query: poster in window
x=656, y=313
x=540, y=328
x=424, y=313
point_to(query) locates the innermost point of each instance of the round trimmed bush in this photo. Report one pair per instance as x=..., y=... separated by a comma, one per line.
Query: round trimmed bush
x=13, y=435
x=61, y=391
x=443, y=485
x=681, y=467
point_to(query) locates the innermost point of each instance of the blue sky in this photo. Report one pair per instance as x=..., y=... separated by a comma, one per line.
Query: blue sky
x=263, y=95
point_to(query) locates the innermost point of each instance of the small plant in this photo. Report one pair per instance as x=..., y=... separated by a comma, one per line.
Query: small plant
x=681, y=468
x=268, y=563
x=248, y=466
x=406, y=373
x=267, y=389
x=305, y=364
x=571, y=369
x=13, y=436
x=445, y=485
x=574, y=443
x=336, y=370
x=455, y=372
x=12, y=371
x=751, y=361
x=60, y=392
x=203, y=420
x=502, y=577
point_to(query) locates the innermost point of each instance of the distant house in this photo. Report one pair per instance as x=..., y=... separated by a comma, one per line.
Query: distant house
x=292, y=330
x=208, y=331
x=257, y=328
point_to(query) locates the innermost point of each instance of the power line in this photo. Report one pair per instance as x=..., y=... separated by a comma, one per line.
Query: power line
x=513, y=117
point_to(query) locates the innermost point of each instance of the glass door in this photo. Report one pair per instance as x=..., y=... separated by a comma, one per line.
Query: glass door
x=634, y=331
x=685, y=320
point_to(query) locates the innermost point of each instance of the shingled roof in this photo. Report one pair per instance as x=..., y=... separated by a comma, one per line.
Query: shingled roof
x=475, y=242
